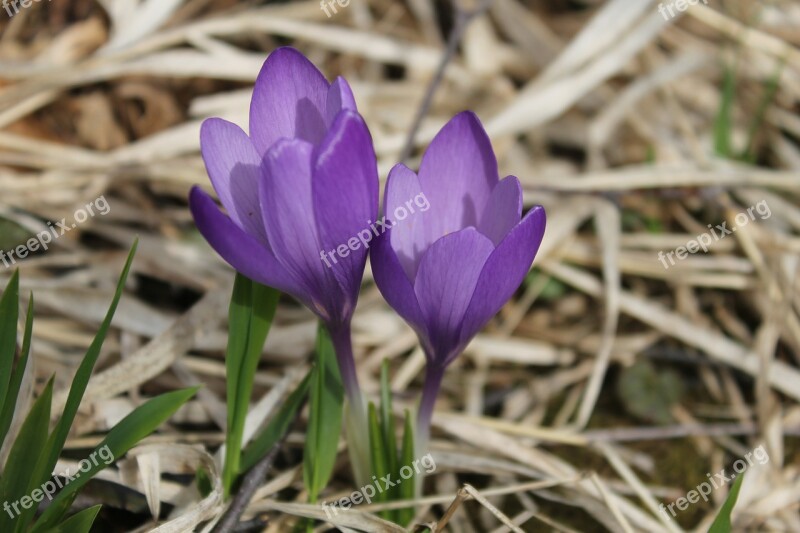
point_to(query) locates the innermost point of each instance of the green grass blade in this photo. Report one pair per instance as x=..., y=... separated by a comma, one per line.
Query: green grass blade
x=10, y=403
x=387, y=419
x=250, y=317
x=80, y=522
x=326, y=399
x=9, y=316
x=125, y=435
x=723, y=124
x=42, y=470
x=408, y=487
x=722, y=523
x=277, y=426
x=380, y=461
x=26, y=451
x=771, y=88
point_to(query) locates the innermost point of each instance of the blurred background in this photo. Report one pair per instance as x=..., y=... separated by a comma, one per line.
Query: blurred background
x=631, y=366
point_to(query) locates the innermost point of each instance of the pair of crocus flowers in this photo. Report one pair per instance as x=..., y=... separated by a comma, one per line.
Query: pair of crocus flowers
x=305, y=181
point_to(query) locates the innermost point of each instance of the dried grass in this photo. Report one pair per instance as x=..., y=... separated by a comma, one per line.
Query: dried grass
x=606, y=115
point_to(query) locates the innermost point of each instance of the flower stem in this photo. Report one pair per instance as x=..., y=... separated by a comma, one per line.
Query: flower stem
x=433, y=382
x=355, y=414
x=343, y=344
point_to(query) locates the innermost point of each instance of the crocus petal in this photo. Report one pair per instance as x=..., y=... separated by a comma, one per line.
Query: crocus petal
x=458, y=173
x=445, y=283
x=503, y=211
x=408, y=237
x=239, y=249
x=395, y=287
x=289, y=218
x=345, y=198
x=234, y=167
x=340, y=97
x=504, y=271
x=289, y=100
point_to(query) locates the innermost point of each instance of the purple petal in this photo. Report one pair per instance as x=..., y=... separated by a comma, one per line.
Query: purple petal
x=504, y=271
x=289, y=100
x=242, y=251
x=393, y=283
x=234, y=167
x=345, y=198
x=408, y=237
x=457, y=174
x=340, y=97
x=503, y=211
x=445, y=282
x=289, y=218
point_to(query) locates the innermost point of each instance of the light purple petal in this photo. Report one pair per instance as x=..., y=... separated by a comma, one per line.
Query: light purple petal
x=504, y=272
x=289, y=100
x=503, y=211
x=393, y=283
x=234, y=167
x=457, y=174
x=345, y=198
x=340, y=97
x=408, y=236
x=289, y=218
x=242, y=251
x=445, y=282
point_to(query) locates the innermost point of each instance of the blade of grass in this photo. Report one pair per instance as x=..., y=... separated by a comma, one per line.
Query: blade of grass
x=44, y=468
x=723, y=124
x=722, y=523
x=10, y=403
x=380, y=463
x=25, y=452
x=326, y=399
x=749, y=155
x=125, y=435
x=276, y=427
x=249, y=319
x=9, y=316
x=408, y=487
x=80, y=522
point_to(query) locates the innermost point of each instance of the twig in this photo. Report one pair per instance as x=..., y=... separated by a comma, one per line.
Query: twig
x=461, y=496
x=463, y=18
x=252, y=480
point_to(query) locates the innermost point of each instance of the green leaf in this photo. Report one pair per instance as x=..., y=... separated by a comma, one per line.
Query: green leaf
x=722, y=523
x=249, y=319
x=10, y=403
x=408, y=487
x=9, y=316
x=723, y=124
x=26, y=451
x=380, y=462
x=326, y=399
x=125, y=435
x=749, y=154
x=387, y=418
x=277, y=426
x=80, y=522
x=44, y=468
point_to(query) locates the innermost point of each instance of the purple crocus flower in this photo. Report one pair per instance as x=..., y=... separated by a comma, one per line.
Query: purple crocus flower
x=304, y=181
x=449, y=270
